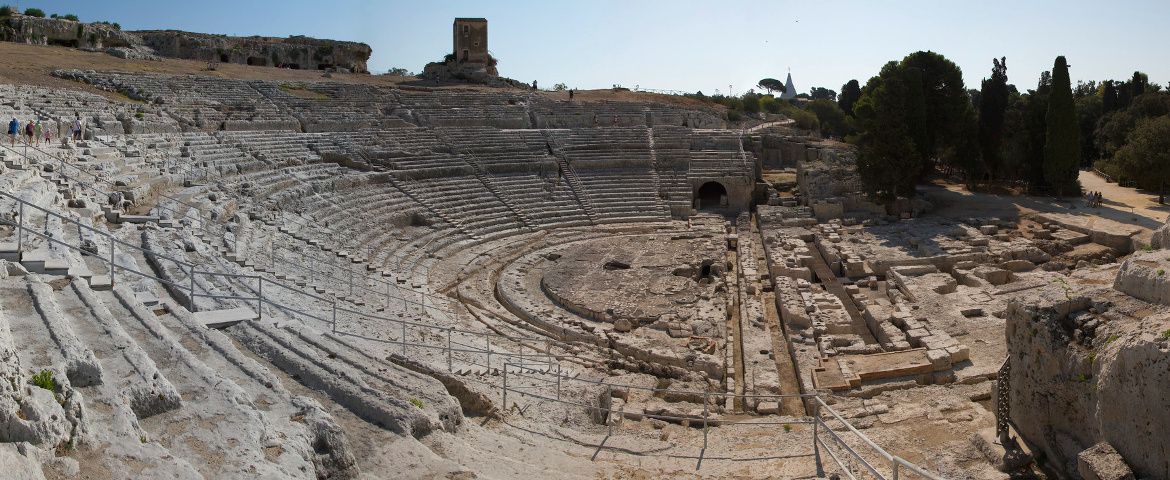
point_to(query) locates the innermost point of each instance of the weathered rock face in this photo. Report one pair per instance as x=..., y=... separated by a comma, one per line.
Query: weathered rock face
x=1143, y=275
x=1161, y=236
x=61, y=32
x=294, y=52
x=1070, y=391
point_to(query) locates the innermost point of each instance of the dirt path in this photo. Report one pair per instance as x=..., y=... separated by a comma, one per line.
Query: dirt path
x=1120, y=204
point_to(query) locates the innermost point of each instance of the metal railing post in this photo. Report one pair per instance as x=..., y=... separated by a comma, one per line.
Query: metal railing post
x=449, y=350
x=558, y=381
x=489, y=353
x=191, y=292
x=113, y=270
x=609, y=410
x=335, y=316
x=816, y=443
x=404, y=338
x=260, y=298
x=894, y=466
x=706, y=413
x=505, y=402
x=20, y=232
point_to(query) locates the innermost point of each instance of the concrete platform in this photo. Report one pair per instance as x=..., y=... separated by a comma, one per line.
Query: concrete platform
x=225, y=318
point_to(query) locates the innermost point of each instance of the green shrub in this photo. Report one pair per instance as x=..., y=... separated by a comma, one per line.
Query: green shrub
x=34, y=12
x=787, y=428
x=6, y=11
x=1161, y=272
x=70, y=16
x=734, y=116
x=44, y=379
x=416, y=402
x=1165, y=335
x=1111, y=339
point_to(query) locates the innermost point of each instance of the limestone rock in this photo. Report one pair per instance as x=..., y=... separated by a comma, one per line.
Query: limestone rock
x=1143, y=275
x=1102, y=462
x=297, y=51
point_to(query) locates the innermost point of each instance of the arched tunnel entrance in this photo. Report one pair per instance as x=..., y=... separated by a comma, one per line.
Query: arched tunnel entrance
x=711, y=196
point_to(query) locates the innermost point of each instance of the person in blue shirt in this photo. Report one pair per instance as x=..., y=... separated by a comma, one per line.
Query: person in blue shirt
x=13, y=129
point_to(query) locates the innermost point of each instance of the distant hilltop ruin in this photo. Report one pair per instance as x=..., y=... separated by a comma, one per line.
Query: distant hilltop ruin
x=297, y=52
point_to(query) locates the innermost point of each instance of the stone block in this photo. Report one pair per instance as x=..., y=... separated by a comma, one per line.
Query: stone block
x=768, y=408
x=1102, y=462
x=958, y=353
x=938, y=359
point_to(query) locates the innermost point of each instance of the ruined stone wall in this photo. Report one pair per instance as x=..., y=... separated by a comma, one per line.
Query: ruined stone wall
x=296, y=52
x=1069, y=393
x=61, y=32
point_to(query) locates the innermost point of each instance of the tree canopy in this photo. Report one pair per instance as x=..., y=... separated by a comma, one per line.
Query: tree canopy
x=850, y=92
x=1061, y=145
x=916, y=113
x=993, y=101
x=771, y=85
x=1146, y=153
x=822, y=93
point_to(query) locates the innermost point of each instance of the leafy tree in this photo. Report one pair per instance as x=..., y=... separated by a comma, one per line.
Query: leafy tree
x=1089, y=111
x=833, y=121
x=993, y=101
x=771, y=85
x=804, y=119
x=398, y=72
x=1061, y=145
x=1108, y=97
x=1138, y=84
x=560, y=87
x=1113, y=128
x=822, y=93
x=1084, y=89
x=34, y=12
x=850, y=92
x=1146, y=154
x=751, y=103
x=6, y=10
x=70, y=16
x=916, y=113
x=887, y=161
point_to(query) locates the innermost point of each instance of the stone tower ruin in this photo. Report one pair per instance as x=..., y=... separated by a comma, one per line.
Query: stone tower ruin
x=470, y=37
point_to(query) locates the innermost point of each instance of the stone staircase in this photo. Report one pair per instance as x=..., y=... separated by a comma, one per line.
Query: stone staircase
x=570, y=174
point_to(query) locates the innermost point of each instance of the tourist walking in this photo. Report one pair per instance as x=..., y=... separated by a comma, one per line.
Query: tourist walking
x=38, y=132
x=13, y=128
x=77, y=129
x=48, y=133
x=30, y=130
x=570, y=94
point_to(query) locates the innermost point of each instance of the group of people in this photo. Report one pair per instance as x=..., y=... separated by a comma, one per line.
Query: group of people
x=1093, y=199
x=37, y=131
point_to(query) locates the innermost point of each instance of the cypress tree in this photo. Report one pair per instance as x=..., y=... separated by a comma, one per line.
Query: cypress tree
x=1061, y=145
x=1109, y=97
x=993, y=100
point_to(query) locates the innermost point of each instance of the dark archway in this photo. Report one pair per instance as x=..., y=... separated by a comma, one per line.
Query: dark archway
x=711, y=196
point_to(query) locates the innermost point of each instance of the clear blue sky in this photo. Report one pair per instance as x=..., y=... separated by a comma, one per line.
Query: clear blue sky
x=688, y=45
